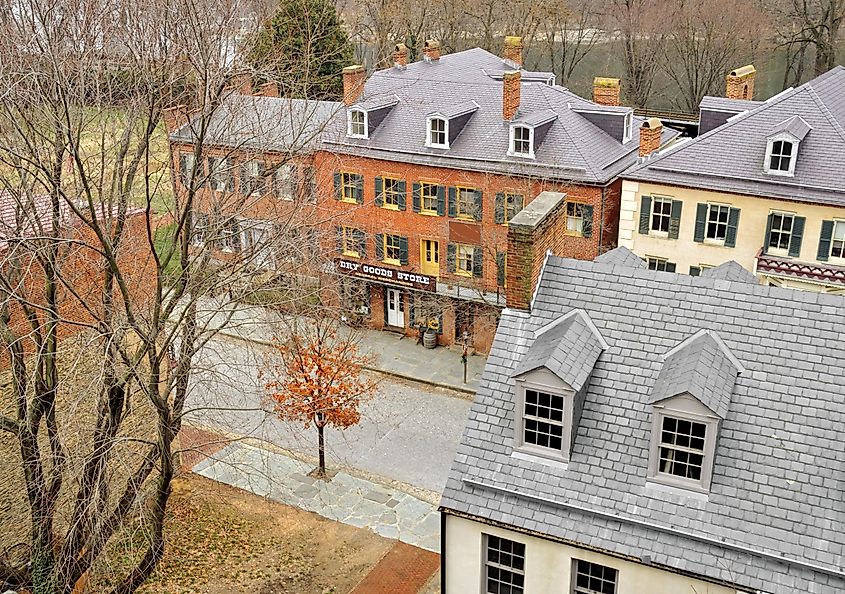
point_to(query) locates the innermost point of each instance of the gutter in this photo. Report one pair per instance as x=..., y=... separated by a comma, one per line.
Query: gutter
x=831, y=571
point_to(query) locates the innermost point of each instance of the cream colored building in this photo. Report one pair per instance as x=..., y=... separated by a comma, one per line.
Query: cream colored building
x=762, y=185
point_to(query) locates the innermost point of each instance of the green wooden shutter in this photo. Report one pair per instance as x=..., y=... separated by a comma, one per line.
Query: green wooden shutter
x=645, y=214
x=670, y=267
x=824, y=241
x=452, y=205
x=768, y=238
x=400, y=191
x=403, y=251
x=479, y=205
x=797, y=236
x=379, y=246
x=733, y=225
x=477, y=261
x=675, y=219
x=451, y=257
x=700, y=222
x=441, y=200
x=415, y=196
x=499, y=209
x=361, y=242
x=587, y=220
x=500, y=269
x=379, y=187
x=359, y=189
x=338, y=186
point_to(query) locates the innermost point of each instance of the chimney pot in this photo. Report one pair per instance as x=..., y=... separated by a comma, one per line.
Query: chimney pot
x=512, y=53
x=353, y=84
x=400, y=55
x=431, y=50
x=606, y=91
x=511, y=87
x=650, y=133
x=740, y=83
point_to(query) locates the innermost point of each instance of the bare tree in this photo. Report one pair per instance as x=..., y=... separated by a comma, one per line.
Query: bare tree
x=567, y=34
x=803, y=24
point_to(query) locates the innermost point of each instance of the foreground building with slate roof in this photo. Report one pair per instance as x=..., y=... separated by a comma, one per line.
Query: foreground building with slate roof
x=649, y=432
x=762, y=185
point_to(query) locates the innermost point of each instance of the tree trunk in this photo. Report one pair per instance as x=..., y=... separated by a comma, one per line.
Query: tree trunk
x=322, y=449
x=825, y=55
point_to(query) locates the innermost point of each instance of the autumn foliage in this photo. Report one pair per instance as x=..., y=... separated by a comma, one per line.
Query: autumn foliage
x=317, y=379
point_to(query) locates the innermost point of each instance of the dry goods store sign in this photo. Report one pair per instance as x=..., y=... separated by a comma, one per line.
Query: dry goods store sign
x=383, y=274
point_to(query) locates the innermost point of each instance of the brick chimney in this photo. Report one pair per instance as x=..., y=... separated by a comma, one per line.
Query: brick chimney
x=242, y=83
x=175, y=117
x=353, y=83
x=740, y=83
x=511, y=86
x=431, y=50
x=606, y=91
x=269, y=89
x=400, y=55
x=512, y=53
x=650, y=133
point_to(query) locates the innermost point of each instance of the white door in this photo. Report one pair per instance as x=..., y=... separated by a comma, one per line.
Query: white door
x=395, y=313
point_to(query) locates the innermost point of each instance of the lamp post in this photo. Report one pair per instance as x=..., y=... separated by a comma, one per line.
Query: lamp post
x=464, y=357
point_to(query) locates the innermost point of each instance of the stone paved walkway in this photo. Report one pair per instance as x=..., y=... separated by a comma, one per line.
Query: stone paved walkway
x=387, y=511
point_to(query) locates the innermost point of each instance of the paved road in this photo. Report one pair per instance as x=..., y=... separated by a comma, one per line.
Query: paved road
x=408, y=432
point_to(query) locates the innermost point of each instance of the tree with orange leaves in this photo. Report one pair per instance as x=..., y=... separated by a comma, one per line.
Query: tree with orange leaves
x=318, y=380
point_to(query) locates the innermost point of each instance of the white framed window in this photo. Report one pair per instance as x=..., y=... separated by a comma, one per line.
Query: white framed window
x=257, y=243
x=283, y=181
x=717, y=222
x=592, y=578
x=504, y=565
x=660, y=264
x=186, y=168
x=356, y=123
x=543, y=419
x=220, y=174
x=438, y=133
x=780, y=234
x=574, y=218
x=837, y=240
x=629, y=124
x=522, y=141
x=661, y=215
x=780, y=155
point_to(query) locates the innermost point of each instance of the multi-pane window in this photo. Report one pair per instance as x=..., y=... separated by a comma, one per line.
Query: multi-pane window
x=186, y=167
x=781, y=155
x=661, y=214
x=428, y=198
x=717, y=221
x=629, y=121
x=348, y=187
x=465, y=200
x=437, y=132
x=251, y=177
x=390, y=192
x=220, y=173
x=392, y=249
x=575, y=218
x=542, y=421
x=521, y=140
x=513, y=204
x=463, y=263
x=661, y=264
x=592, y=578
x=257, y=243
x=682, y=448
x=357, y=123
x=504, y=566
x=283, y=181
x=350, y=242
x=781, y=231
x=837, y=244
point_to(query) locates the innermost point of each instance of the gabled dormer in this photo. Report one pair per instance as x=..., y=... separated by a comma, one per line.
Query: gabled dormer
x=690, y=399
x=551, y=384
x=527, y=132
x=782, y=146
x=443, y=127
x=363, y=118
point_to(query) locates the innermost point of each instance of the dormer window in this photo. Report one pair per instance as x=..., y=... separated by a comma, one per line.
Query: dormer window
x=357, y=123
x=522, y=141
x=780, y=156
x=438, y=133
x=782, y=146
x=629, y=125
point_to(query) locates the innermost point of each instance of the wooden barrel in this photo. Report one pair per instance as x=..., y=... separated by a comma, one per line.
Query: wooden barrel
x=430, y=339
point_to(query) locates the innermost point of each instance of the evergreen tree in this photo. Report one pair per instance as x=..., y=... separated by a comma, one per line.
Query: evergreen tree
x=304, y=47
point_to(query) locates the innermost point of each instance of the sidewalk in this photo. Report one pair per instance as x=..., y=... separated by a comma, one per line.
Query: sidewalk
x=396, y=354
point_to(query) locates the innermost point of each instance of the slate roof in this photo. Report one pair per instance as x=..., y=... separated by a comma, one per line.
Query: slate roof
x=568, y=348
x=573, y=149
x=622, y=256
x=773, y=520
x=727, y=105
x=266, y=124
x=702, y=367
x=730, y=157
x=732, y=271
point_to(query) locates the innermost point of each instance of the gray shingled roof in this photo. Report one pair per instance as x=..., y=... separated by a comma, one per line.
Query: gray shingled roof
x=573, y=149
x=730, y=157
x=732, y=271
x=264, y=123
x=622, y=256
x=773, y=519
x=702, y=367
x=725, y=104
x=568, y=348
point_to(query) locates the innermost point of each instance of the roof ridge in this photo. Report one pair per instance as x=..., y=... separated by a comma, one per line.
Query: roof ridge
x=704, y=333
x=823, y=108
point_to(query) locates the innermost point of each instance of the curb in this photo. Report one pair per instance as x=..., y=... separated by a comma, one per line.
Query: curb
x=396, y=374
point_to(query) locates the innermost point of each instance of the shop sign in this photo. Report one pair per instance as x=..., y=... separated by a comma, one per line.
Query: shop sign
x=421, y=282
